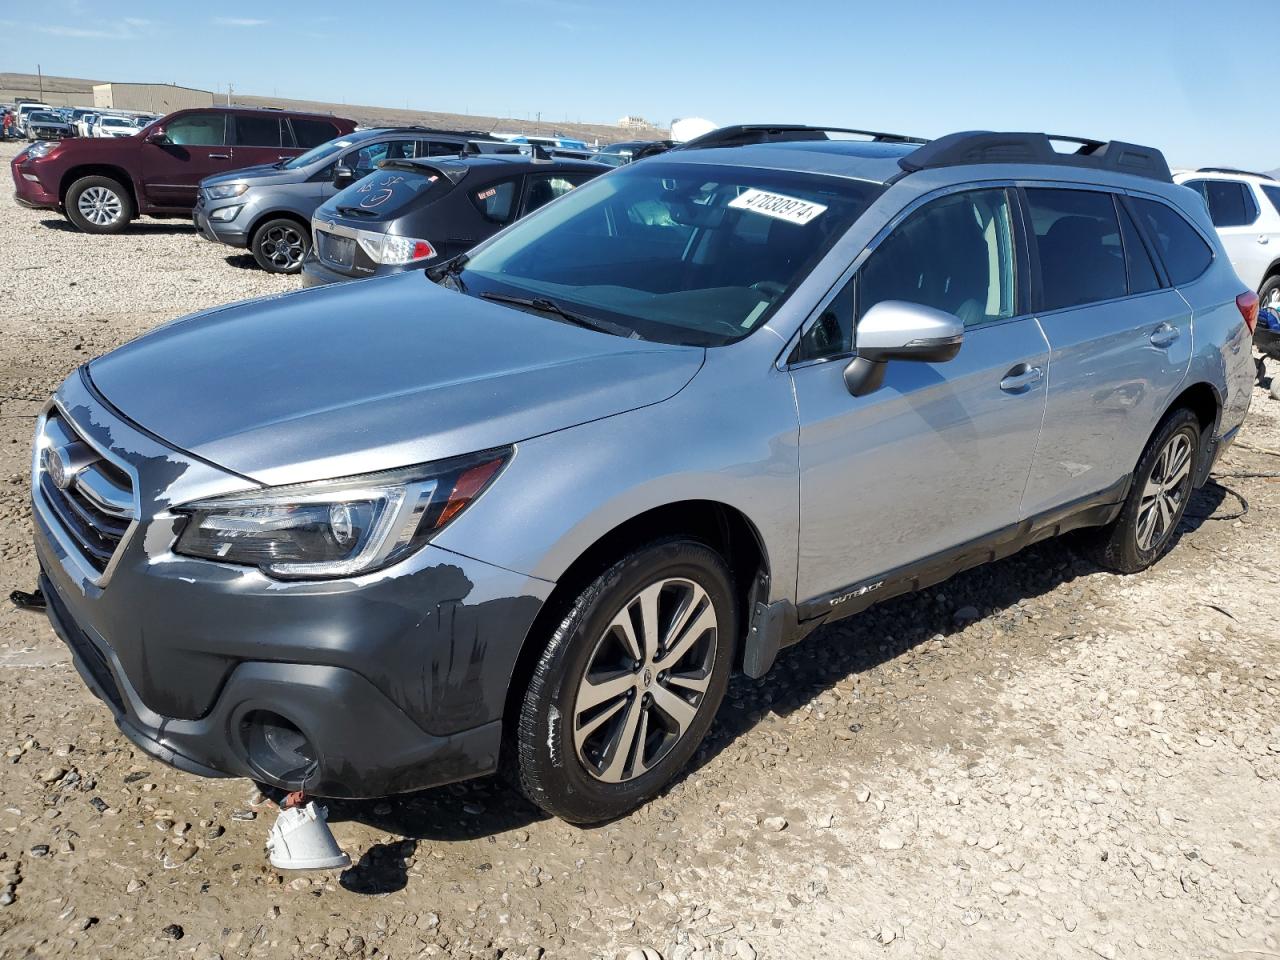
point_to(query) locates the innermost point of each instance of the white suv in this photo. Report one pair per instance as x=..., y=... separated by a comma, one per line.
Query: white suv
x=1245, y=209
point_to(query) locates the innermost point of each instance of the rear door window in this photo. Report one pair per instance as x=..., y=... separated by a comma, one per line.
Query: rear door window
x=1230, y=202
x=496, y=201
x=1077, y=236
x=365, y=160
x=253, y=130
x=196, y=130
x=438, y=148
x=955, y=254
x=309, y=133
x=542, y=188
x=1185, y=254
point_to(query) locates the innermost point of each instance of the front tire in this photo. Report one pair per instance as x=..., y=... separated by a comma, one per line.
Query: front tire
x=629, y=683
x=99, y=205
x=1162, y=485
x=281, y=245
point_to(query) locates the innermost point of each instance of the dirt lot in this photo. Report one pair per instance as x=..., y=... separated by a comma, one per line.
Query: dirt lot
x=1034, y=759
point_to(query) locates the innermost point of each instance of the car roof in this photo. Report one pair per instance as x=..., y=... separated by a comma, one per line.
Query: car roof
x=855, y=159
x=886, y=158
x=1223, y=173
x=498, y=162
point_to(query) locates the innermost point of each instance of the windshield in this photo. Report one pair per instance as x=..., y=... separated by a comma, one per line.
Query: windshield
x=681, y=253
x=115, y=122
x=327, y=149
x=38, y=117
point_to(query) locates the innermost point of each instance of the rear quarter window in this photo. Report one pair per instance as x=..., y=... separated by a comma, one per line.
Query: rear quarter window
x=308, y=132
x=496, y=201
x=1185, y=254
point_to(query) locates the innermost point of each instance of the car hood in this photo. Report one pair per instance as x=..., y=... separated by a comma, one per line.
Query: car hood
x=372, y=375
x=263, y=174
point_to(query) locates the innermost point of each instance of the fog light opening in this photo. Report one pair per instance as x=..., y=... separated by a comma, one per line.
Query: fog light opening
x=277, y=749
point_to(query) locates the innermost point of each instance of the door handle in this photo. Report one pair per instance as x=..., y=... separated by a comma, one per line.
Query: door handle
x=1021, y=378
x=1164, y=335
x=1263, y=238
x=219, y=156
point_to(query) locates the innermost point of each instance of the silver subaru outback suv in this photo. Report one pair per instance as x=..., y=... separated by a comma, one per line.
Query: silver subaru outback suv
x=534, y=509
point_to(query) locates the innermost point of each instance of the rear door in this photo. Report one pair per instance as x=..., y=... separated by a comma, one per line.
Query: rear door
x=1237, y=217
x=938, y=456
x=1120, y=341
x=259, y=138
x=197, y=148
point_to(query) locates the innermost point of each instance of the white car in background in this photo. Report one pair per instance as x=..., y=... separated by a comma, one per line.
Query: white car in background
x=1245, y=210
x=84, y=125
x=114, y=127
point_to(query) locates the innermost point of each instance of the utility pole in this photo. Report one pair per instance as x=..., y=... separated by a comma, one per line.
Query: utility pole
x=228, y=93
x=40, y=80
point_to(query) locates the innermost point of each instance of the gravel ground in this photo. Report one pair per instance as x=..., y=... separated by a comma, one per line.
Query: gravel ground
x=1036, y=758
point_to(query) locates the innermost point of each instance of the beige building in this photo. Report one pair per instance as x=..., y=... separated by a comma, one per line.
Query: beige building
x=160, y=98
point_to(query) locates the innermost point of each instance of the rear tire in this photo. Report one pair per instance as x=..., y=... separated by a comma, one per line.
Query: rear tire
x=1158, y=494
x=280, y=245
x=99, y=205
x=1269, y=293
x=613, y=711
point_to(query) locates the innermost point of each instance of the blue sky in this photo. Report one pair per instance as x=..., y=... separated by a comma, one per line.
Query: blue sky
x=1174, y=74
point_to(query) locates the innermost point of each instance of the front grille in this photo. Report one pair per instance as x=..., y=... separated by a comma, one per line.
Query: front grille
x=86, y=495
x=339, y=251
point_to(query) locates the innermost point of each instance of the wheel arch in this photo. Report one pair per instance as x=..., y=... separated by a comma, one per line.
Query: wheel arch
x=1202, y=399
x=98, y=170
x=278, y=214
x=723, y=527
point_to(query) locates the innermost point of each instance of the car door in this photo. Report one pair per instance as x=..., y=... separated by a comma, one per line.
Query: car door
x=259, y=138
x=938, y=456
x=195, y=148
x=1120, y=343
x=1237, y=217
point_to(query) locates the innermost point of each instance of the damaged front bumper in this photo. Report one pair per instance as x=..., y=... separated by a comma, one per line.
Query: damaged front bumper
x=365, y=687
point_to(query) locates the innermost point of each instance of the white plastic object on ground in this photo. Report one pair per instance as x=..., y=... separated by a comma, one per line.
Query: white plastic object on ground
x=301, y=839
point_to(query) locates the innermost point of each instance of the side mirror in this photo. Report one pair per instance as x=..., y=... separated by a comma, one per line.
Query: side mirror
x=897, y=330
x=158, y=137
x=342, y=174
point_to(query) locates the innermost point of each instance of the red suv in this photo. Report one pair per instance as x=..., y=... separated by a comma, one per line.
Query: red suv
x=102, y=184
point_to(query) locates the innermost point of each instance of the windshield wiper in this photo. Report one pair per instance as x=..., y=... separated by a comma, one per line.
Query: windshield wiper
x=546, y=305
x=348, y=211
x=450, y=268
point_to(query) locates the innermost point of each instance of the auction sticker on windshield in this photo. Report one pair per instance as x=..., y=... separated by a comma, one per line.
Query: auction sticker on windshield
x=777, y=205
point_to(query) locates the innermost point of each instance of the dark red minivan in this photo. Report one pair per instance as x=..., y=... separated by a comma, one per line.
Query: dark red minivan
x=102, y=184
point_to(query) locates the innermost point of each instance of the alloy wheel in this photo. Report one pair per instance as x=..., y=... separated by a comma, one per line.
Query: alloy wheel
x=645, y=680
x=283, y=246
x=1165, y=493
x=100, y=206
x=1273, y=299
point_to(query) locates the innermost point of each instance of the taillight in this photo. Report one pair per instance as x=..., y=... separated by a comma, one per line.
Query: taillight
x=1249, y=303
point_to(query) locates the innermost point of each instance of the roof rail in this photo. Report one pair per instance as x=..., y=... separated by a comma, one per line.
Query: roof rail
x=1243, y=173
x=746, y=134
x=983, y=146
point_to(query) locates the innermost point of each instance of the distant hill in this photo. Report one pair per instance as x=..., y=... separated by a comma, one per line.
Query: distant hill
x=73, y=91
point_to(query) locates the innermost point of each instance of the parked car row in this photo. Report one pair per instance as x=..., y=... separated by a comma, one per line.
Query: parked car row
x=36, y=121
x=529, y=508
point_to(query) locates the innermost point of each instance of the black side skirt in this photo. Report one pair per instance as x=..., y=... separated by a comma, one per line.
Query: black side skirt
x=780, y=624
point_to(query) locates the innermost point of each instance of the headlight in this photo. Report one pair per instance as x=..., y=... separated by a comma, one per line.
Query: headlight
x=225, y=191
x=41, y=148
x=337, y=528
x=382, y=248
